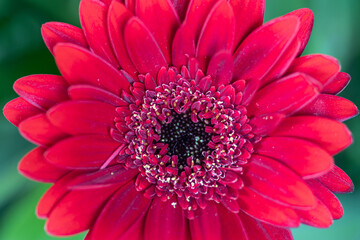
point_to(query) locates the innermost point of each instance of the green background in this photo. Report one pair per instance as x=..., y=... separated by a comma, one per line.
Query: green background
x=22, y=52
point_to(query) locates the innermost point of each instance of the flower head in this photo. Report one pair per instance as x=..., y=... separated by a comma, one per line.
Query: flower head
x=184, y=120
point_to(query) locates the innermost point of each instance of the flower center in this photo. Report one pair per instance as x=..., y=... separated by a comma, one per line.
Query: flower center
x=185, y=139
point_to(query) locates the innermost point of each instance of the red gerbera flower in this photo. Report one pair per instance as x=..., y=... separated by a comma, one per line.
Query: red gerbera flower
x=184, y=120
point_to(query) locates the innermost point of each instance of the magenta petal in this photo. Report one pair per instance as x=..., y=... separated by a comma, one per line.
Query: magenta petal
x=330, y=106
x=39, y=130
x=286, y=95
x=57, y=32
x=33, y=165
x=71, y=209
x=161, y=19
x=206, y=226
x=18, y=110
x=81, y=152
x=261, y=231
x=264, y=124
x=181, y=7
x=78, y=66
x=142, y=48
x=275, y=181
x=117, y=19
x=336, y=180
x=305, y=158
x=123, y=210
x=93, y=18
x=169, y=216
x=329, y=134
x=249, y=15
x=81, y=117
x=217, y=33
x=266, y=210
x=260, y=51
x=221, y=68
x=306, y=17
x=42, y=91
x=231, y=225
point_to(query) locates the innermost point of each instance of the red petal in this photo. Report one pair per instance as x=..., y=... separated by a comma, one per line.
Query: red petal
x=206, y=226
x=169, y=216
x=181, y=7
x=17, y=110
x=78, y=65
x=286, y=95
x=264, y=124
x=330, y=106
x=142, y=47
x=319, y=216
x=260, y=51
x=221, y=68
x=57, y=32
x=161, y=19
x=217, y=33
x=39, y=130
x=231, y=225
x=34, y=166
x=123, y=210
x=337, y=181
x=265, y=210
x=54, y=194
x=329, y=134
x=326, y=197
x=306, y=17
x=187, y=35
x=81, y=152
x=72, y=209
x=337, y=84
x=261, y=231
x=249, y=15
x=117, y=19
x=116, y=174
x=81, y=117
x=93, y=17
x=42, y=91
x=275, y=181
x=304, y=157
x=321, y=67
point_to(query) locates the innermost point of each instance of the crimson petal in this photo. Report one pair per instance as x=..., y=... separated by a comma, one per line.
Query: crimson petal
x=93, y=17
x=337, y=181
x=161, y=19
x=42, y=91
x=319, y=216
x=39, y=130
x=330, y=106
x=275, y=181
x=221, y=68
x=34, y=166
x=81, y=152
x=181, y=7
x=171, y=219
x=264, y=124
x=215, y=37
x=329, y=134
x=231, y=225
x=57, y=32
x=72, y=209
x=78, y=65
x=142, y=48
x=292, y=93
x=337, y=84
x=266, y=210
x=18, y=110
x=260, y=51
x=124, y=208
x=79, y=117
x=305, y=158
x=206, y=226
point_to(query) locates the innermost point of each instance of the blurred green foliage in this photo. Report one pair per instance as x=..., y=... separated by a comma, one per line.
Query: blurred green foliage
x=22, y=52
